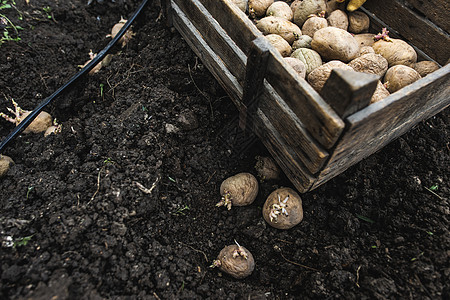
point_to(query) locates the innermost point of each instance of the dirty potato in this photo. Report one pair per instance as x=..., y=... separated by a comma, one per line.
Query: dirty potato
x=320, y=75
x=276, y=25
x=297, y=65
x=335, y=43
x=313, y=24
x=339, y=19
x=399, y=76
x=396, y=51
x=309, y=57
x=280, y=9
x=370, y=63
x=258, y=8
x=280, y=44
x=358, y=22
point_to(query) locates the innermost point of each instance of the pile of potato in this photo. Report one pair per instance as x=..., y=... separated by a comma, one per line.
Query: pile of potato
x=316, y=36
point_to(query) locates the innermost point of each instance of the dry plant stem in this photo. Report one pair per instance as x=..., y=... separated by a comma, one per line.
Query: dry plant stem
x=297, y=264
x=196, y=250
x=98, y=185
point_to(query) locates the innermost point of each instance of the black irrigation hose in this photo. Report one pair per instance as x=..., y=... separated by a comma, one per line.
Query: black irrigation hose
x=22, y=125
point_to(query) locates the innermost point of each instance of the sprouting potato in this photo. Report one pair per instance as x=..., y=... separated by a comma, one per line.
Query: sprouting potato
x=365, y=39
x=96, y=68
x=306, y=8
x=320, y=75
x=313, y=24
x=283, y=209
x=339, y=19
x=358, y=22
x=5, y=163
x=276, y=25
x=236, y=261
x=238, y=190
x=399, y=76
x=396, y=51
x=280, y=44
x=127, y=35
x=297, y=65
x=309, y=57
x=39, y=124
x=335, y=43
x=280, y=9
x=258, y=8
x=366, y=50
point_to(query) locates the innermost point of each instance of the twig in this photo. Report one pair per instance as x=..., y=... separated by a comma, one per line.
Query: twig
x=297, y=264
x=357, y=276
x=144, y=189
x=196, y=250
x=210, y=177
x=433, y=193
x=98, y=185
x=201, y=92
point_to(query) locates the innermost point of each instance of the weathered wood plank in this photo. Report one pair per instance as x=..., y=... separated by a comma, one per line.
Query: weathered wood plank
x=207, y=55
x=282, y=153
x=292, y=130
x=236, y=23
x=435, y=10
x=318, y=117
x=375, y=126
x=419, y=31
x=254, y=78
x=349, y=91
x=216, y=37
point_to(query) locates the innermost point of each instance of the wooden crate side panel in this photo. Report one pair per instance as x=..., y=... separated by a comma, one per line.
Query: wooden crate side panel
x=282, y=153
x=236, y=23
x=419, y=31
x=374, y=127
x=208, y=56
x=289, y=127
x=216, y=36
x=316, y=115
x=435, y=10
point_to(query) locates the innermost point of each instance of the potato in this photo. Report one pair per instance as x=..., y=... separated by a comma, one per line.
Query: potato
x=313, y=24
x=280, y=44
x=397, y=52
x=126, y=37
x=370, y=63
x=320, y=75
x=295, y=4
x=258, y=8
x=236, y=261
x=280, y=9
x=400, y=76
x=335, y=43
x=333, y=5
x=5, y=163
x=283, y=209
x=238, y=190
x=242, y=4
x=425, y=67
x=276, y=25
x=304, y=41
x=306, y=8
x=358, y=22
x=265, y=166
x=297, y=65
x=380, y=93
x=365, y=39
x=366, y=50
x=339, y=19
x=39, y=124
x=309, y=57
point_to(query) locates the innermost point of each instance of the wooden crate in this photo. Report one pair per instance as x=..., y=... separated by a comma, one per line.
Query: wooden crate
x=314, y=139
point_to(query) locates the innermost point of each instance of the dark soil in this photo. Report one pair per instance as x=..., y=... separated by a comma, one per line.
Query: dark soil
x=121, y=204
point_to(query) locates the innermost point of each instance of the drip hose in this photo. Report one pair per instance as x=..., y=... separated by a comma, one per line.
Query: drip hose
x=22, y=125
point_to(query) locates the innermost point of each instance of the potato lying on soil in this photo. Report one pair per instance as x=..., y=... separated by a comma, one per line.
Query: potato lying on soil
x=242, y=4
x=313, y=24
x=309, y=57
x=400, y=76
x=304, y=41
x=425, y=67
x=339, y=19
x=280, y=44
x=265, y=166
x=370, y=63
x=280, y=9
x=306, y=8
x=283, y=209
x=236, y=261
x=365, y=39
x=5, y=163
x=286, y=29
x=358, y=22
x=334, y=43
x=366, y=50
x=297, y=65
x=258, y=8
x=39, y=124
x=320, y=75
x=126, y=37
x=397, y=52
x=380, y=93
x=238, y=190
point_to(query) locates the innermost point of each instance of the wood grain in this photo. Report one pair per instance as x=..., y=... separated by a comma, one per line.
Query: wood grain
x=438, y=11
x=377, y=125
x=416, y=29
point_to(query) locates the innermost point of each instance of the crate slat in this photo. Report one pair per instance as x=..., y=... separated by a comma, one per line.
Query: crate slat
x=433, y=10
x=217, y=38
x=375, y=126
x=414, y=28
